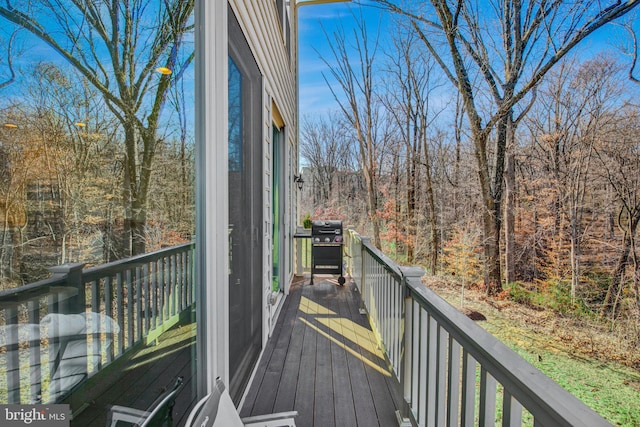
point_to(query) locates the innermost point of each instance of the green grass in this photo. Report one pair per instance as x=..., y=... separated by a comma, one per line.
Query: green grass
x=548, y=342
x=612, y=390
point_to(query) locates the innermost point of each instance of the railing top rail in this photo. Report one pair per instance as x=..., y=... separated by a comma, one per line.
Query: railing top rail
x=32, y=290
x=551, y=404
x=56, y=283
x=115, y=266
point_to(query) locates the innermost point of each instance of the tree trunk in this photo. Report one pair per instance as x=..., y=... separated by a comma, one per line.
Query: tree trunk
x=509, y=219
x=372, y=203
x=431, y=203
x=411, y=206
x=492, y=278
x=575, y=257
x=491, y=215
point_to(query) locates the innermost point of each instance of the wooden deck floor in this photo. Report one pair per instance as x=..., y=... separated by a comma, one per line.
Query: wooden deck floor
x=322, y=361
x=137, y=381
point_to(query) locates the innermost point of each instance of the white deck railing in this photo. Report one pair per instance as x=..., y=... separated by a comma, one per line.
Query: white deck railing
x=113, y=307
x=451, y=371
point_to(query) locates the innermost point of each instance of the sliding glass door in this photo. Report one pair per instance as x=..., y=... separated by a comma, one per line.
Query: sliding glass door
x=245, y=211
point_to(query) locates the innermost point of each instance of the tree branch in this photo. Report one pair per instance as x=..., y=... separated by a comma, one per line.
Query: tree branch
x=12, y=73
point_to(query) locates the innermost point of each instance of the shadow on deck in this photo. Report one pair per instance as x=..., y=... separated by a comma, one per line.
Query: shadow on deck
x=323, y=361
x=139, y=377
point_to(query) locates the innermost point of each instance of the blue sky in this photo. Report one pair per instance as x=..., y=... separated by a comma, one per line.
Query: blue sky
x=315, y=97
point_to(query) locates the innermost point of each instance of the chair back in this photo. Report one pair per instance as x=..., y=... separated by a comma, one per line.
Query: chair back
x=74, y=359
x=215, y=410
x=161, y=410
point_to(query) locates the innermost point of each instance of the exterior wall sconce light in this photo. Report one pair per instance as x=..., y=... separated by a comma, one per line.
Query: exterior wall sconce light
x=299, y=181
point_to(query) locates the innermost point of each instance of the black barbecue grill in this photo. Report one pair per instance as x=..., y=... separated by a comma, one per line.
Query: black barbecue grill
x=326, y=248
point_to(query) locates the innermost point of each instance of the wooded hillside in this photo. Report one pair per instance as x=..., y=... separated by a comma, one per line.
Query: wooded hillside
x=563, y=160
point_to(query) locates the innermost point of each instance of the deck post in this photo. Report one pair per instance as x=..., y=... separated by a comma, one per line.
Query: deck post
x=405, y=375
x=299, y=271
x=364, y=241
x=69, y=299
x=73, y=273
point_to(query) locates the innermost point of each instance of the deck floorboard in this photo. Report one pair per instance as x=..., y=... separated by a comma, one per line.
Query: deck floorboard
x=143, y=378
x=322, y=361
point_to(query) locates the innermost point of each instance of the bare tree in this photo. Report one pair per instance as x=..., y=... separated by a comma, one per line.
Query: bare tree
x=324, y=146
x=511, y=45
x=354, y=74
x=14, y=166
x=619, y=161
x=408, y=101
x=115, y=50
x=575, y=106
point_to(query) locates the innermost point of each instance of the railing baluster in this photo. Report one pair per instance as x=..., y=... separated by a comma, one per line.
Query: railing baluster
x=441, y=380
x=95, y=308
x=415, y=356
x=454, y=380
x=138, y=305
x=188, y=279
x=108, y=309
x=390, y=320
x=487, y=399
x=184, y=297
x=130, y=306
x=52, y=341
x=161, y=290
x=120, y=312
x=394, y=329
x=169, y=286
x=381, y=303
x=154, y=293
x=180, y=284
x=12, y=355
x=173, y=285
x=423, y=366
x=432, y=380
x=35, y=367
x=468, y=403
x=146, y=290
x=511, y=410
x=407, y=361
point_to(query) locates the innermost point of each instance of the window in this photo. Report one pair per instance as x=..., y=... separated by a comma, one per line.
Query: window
x=96, y=172
x=284, y=15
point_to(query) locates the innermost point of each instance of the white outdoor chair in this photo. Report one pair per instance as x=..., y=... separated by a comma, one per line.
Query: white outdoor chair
x=160, y=413
x=71, y=359
x=217, y=410
x=74, y=359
